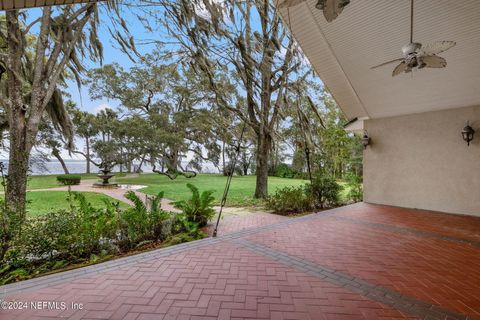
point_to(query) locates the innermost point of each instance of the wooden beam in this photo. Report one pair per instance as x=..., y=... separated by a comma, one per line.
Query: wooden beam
x=23, y=4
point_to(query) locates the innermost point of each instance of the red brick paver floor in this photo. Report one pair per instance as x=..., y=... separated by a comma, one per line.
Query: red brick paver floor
x=232, y=223
x=357, y=262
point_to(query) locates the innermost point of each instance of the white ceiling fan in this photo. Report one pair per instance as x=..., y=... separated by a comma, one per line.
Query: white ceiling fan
x=331, y=8
x=419, y=56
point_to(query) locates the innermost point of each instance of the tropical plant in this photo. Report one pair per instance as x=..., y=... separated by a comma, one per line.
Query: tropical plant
x=143, y=222
x=85, y=234
x=199, y=208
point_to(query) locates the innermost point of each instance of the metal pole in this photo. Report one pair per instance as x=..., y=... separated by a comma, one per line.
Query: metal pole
x=229, y=180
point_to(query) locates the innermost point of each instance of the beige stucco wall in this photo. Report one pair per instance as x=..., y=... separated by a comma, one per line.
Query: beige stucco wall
x=421, y=161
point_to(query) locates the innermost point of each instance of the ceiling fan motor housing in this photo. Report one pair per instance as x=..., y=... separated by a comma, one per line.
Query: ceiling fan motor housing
x=411, y=49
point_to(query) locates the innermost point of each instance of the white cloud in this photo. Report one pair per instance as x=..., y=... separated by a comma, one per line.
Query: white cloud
x=102, y=107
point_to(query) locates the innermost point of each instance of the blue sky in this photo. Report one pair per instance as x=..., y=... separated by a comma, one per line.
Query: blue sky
x=111, y=54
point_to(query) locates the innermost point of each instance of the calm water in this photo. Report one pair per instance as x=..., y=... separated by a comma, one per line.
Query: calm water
x=79, y=166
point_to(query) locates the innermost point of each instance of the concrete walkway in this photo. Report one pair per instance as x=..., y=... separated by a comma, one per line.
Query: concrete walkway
x=357, y=262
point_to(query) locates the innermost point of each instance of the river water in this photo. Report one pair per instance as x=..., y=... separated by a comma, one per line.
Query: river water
x=79, y=166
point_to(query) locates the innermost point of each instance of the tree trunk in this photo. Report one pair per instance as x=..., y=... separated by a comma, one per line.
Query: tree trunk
x=87, y=146
x=19, y=147
x=17, y=169
x=263, y=155
x=56, y=154
x=139, y=168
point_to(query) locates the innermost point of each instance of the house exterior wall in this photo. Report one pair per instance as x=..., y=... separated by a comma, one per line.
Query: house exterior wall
x=421, y=161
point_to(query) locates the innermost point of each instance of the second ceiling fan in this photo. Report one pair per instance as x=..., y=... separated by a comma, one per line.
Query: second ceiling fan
x=331, y=8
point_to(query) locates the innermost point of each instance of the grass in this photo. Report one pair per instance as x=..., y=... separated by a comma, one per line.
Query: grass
x=241, y=189
x=50, y=181
x=42, y=202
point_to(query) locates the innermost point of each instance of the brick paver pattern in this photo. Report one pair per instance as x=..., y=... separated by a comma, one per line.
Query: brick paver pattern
x=357, y=262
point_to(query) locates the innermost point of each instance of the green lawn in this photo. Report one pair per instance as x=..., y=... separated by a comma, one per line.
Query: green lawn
x=41, y=202
x=241, y=189
x=50, y=181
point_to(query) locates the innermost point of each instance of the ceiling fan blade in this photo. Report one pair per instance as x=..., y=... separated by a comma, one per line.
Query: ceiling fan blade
x=436, y=47
x=434, y=61
x=289, y=3
x=385, y=63
x=331, y=8
x=402, y=67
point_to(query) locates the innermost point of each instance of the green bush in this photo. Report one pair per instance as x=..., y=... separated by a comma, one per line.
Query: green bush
x=199, y=208
x=9, y=226
x=283, y=170
x=324, y=191
x=69, y=179
x=85, y=234
x=355, y=186
x=141, y=222
x=289, y=200
x=73, y=234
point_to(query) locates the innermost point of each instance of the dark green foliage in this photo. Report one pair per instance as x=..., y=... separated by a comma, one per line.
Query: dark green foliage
x=324, y=191
x=141, y=222
x=77, y=233
x=85, y=234
x=199, y=208
x=9, y=227
x=355, y=185
x=289, y=200
x=284, y=170
x=69, y=179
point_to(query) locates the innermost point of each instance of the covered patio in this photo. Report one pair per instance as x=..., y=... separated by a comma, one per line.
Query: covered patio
x=362, y=261
x=357, y=262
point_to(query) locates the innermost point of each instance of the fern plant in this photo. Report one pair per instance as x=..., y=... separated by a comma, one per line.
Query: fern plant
x=142, y=222
x=199, y=208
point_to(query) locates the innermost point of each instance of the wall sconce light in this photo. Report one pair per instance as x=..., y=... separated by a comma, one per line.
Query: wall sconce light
x=366, y=140
x=468, y=133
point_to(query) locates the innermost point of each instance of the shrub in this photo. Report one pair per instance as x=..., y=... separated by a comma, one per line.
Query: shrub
x=85, y=234
x=283, y=170
x=73, y=234
x=9, y=226
x=69, y=179
x=199, y=208
x=289, y=200
x=143, y=222
x=355, y=186
x=324, y=191
x=94, y=226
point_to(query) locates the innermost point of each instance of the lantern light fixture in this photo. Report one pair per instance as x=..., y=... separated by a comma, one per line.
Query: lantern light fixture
x=366, y=140
x=468, y=133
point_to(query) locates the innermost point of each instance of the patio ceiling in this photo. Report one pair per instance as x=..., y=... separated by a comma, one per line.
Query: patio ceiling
x=369, y=32
x=22, y=4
